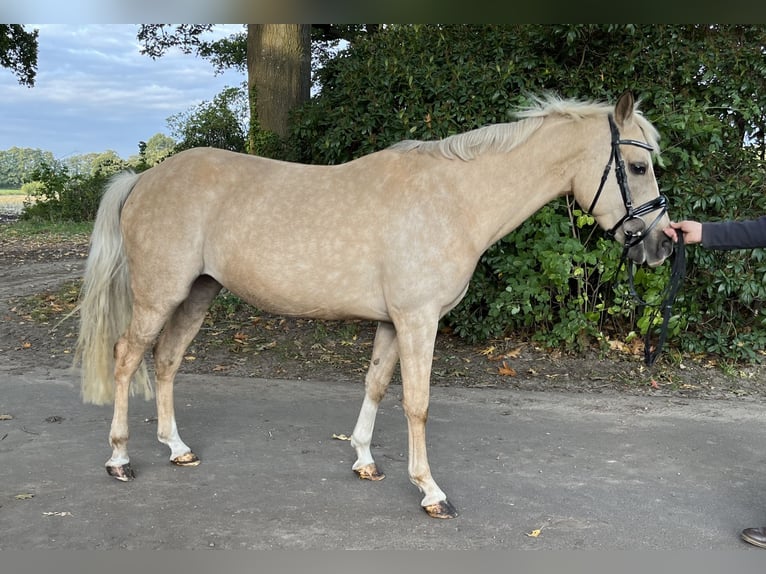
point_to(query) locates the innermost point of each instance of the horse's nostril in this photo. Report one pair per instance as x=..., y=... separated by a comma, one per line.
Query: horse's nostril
x=667, y=246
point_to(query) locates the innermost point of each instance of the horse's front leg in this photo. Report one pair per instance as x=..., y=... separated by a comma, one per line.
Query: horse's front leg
x=382, y=363
x=416, y=337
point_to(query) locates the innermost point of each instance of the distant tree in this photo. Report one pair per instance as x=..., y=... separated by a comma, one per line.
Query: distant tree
x=18, y=52
x=17, y=165
x=79, y=164
x=157, y=148
x=221, y=123
x=107, y=164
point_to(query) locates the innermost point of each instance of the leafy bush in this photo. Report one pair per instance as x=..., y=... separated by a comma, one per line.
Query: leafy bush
x=221, y=123
x=55, y=195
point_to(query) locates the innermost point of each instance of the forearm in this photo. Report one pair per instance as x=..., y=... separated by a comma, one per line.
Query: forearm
x=727, y=235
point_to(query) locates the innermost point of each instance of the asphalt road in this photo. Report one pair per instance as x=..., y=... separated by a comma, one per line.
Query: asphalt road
x=525, y=470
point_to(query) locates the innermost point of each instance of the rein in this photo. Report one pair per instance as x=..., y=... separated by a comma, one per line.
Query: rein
x=677, y=274
x=635, y=231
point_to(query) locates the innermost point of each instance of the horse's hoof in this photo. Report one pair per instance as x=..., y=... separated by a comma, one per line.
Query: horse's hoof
x=188, y=459
x=369, y=472
x=122, y=472
x=441, y=509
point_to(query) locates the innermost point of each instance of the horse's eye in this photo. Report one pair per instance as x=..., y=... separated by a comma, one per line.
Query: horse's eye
x=638, y=168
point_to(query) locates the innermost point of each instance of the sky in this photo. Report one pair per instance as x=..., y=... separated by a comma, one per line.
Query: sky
x=95, y=91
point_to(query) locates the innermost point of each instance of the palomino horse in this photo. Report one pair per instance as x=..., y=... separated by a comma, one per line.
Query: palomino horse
x=391, y=237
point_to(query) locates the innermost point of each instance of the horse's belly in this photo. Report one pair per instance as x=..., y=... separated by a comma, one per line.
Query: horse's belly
x=308, y=293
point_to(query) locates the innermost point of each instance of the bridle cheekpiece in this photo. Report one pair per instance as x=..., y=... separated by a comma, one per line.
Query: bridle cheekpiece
x=633, y=226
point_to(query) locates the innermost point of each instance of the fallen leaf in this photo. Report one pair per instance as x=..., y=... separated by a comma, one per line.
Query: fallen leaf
x=6, y=417
x=488, y=351
x=24, y=496
x=514, y=353
x=26, y=345
x=190, y=358
x=341, y=437
x=266, y=346
x=617, y=346
x=636, y=346
x=654, y=384
x=534, y=534
x=506, y=370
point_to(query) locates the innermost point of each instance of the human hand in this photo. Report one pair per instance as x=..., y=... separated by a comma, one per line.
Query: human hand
x=692, y=231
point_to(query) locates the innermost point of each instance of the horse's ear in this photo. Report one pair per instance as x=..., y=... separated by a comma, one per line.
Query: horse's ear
x=624, y=108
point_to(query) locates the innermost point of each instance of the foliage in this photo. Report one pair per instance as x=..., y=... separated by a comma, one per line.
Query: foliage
x=18, y=52
x=231, y=52
x=702, y=86
x=224, y=53
x=262, y=142
x=17, y=164
x=56, y=195
x=155, y=149
x=221, y=123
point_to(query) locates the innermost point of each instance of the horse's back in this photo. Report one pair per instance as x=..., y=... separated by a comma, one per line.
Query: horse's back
x=277, y=233
x=323, y=241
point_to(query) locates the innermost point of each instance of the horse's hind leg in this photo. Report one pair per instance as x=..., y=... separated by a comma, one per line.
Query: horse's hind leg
x=128, y=353
x=382, y=363
x=168, y=352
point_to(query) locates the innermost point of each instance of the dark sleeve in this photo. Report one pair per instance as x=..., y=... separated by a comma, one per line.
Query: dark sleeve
x=726, y=235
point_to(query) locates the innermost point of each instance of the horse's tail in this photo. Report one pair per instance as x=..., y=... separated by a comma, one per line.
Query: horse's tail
x=106, y=301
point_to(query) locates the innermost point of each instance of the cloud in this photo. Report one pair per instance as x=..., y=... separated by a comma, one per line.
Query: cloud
x=96, y=91
x=115, y=11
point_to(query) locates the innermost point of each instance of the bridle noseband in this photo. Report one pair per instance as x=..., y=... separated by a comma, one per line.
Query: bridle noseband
x=633, y=226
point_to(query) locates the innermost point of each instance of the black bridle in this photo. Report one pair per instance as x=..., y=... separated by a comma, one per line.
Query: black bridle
x=633, y=226
x=635, y=231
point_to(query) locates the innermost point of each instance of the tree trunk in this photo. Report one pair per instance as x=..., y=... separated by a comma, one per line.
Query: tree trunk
x=278, y=75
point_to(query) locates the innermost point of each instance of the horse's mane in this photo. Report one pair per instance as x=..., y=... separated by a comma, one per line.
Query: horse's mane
x=504, y=137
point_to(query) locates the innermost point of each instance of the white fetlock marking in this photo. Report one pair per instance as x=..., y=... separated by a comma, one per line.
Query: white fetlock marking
x=433, y=494
x=433, y=498
x=361, y=438
x=117, y=461
x=177, y=446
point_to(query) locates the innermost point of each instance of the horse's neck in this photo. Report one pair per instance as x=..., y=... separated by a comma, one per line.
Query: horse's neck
x=507, y=189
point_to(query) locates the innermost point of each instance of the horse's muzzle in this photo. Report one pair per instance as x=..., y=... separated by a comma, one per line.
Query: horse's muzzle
x=652, y=250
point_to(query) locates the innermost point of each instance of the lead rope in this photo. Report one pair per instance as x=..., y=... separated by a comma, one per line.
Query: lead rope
x=677, y=275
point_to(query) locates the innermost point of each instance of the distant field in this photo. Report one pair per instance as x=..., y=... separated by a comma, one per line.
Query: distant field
x=11, y=201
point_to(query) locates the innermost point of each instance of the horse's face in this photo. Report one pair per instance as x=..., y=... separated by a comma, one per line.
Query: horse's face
x=643, y=231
